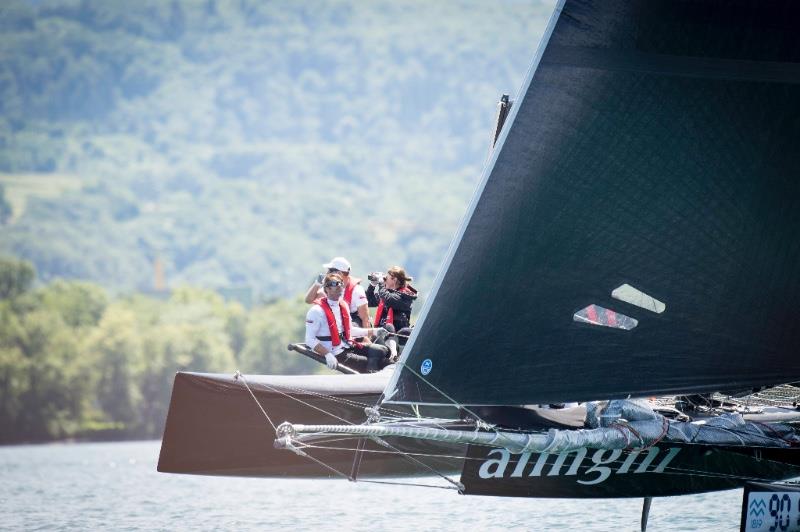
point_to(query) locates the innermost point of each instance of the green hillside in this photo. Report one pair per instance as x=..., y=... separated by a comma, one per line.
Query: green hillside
x=242, y=143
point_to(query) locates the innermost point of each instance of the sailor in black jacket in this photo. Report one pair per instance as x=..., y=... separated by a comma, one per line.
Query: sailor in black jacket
x=394, y=296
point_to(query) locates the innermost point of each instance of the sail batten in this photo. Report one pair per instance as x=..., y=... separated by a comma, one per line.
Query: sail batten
x=645, y=152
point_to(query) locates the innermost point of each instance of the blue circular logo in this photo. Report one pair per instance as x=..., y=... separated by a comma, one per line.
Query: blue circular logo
x=426, y=366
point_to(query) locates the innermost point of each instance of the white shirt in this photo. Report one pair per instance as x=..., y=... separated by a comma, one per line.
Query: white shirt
x=359, y=297
x=317, y=325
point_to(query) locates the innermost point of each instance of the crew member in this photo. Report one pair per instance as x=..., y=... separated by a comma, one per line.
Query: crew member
x=329, y=331
x=354, y=294
x=393, y=296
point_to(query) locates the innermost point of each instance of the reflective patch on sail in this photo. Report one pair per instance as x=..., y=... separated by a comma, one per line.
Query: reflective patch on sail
x=631, y=295
x=597, y=315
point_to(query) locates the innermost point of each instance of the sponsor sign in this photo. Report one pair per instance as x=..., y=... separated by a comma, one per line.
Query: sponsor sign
x=771, y=507
x=582, y=472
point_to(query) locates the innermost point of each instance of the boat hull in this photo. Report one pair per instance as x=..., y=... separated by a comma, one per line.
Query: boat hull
x=215, y=427
x=663, y=470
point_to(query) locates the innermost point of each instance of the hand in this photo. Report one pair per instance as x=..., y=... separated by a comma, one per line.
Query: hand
x=380, y=333
x=330, y=360
x=320, y=277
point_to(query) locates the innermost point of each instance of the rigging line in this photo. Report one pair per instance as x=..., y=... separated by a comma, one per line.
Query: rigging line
x=455, y=403
x=333, y=399
x=303, y=403
x=381, y=441
x=409, y=484
x=699, y=473
x=238, y=375
x=397, y=451
x=321, y=395
x=298, y=450
x=323, y=464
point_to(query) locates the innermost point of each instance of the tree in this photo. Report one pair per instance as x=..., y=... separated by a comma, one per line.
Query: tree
x=48, y=377
x=116, y=352
x=6, y=211
x=16, y=277
x=270, y=329
x=80, y=304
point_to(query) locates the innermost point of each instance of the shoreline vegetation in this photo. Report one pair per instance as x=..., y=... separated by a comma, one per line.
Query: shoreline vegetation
x=77, y=364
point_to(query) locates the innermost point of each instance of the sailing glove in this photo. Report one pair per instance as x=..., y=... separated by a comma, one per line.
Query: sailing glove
x=330, y=360
x=380, y=334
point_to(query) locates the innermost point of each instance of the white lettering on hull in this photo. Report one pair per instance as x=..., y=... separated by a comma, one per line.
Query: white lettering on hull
x=601, y=464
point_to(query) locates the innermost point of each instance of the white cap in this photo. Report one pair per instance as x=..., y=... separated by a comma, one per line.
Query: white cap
x=338, y=263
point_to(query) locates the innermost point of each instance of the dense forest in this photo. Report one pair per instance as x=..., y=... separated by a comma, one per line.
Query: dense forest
x=78, y=363
x=240, y=143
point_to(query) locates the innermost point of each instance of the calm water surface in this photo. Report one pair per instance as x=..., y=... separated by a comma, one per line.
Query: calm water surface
x=115, y=486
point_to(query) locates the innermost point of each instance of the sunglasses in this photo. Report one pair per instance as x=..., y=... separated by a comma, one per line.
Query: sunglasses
x=332, y=284
x=334, y=270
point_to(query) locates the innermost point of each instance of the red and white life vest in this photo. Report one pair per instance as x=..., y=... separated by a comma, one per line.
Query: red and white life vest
x=348, y=291
x=334, y=330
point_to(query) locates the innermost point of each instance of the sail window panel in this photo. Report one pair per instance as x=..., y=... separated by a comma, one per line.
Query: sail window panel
x=604, y=317
x=636, y=297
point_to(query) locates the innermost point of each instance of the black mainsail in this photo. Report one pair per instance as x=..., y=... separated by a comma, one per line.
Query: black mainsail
x=635, y=232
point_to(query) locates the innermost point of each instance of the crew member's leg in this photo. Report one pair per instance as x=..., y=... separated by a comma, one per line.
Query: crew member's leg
x=377, y=356
x=390, y=341
x=353, y=360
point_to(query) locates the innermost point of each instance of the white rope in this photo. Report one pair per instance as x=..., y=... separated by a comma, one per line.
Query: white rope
x=306, y=404
x=408, y=456
x=412, y=484
x=238, y=375
x=297, y=445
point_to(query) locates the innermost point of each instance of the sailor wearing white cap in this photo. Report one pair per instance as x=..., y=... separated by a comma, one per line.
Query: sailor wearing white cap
x=354, y=294
x=329, y=332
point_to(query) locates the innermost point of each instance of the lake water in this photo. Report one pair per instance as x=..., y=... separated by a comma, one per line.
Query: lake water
x=115, y=486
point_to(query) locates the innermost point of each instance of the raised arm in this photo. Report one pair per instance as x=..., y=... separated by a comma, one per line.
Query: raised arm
x=314, y=292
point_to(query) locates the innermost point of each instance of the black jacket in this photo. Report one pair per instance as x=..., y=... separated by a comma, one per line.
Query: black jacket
x=399, y=301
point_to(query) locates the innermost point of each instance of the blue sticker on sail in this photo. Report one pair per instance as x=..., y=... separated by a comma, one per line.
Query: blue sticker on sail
x=426, y=366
